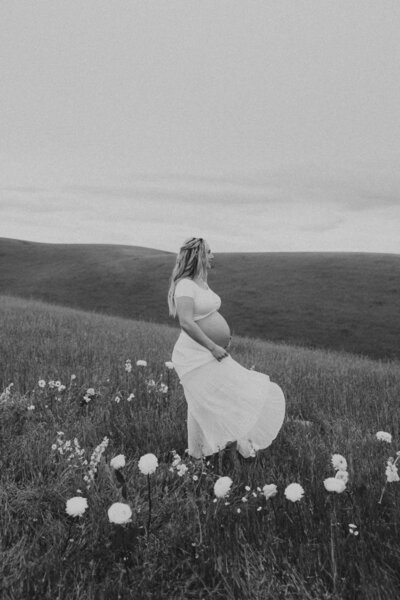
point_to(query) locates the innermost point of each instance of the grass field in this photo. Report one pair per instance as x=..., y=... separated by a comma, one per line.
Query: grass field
x=195, y=547
x=339, y=301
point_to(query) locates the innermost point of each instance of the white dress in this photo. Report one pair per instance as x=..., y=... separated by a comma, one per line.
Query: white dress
x=226, y=402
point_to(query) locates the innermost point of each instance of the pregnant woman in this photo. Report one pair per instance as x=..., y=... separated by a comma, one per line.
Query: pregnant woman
x=226, y=402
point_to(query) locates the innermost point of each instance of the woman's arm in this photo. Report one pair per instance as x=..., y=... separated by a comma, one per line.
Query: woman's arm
x=184, y=309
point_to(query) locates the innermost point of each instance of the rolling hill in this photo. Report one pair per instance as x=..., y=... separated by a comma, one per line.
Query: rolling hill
x=342, y=301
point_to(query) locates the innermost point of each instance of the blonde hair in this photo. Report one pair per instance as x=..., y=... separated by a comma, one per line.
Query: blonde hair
x=191, y=262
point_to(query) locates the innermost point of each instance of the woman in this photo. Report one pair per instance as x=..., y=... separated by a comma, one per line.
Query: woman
x=226, y=402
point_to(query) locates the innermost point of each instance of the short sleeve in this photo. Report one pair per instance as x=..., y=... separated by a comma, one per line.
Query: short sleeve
x=185, y=287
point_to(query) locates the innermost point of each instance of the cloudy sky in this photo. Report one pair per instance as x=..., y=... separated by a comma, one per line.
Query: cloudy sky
x=262, y=125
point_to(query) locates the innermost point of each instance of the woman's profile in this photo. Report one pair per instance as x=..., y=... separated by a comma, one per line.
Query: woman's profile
x=226, y=402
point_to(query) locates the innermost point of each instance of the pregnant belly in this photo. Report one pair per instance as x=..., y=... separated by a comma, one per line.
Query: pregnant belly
x=216, y=328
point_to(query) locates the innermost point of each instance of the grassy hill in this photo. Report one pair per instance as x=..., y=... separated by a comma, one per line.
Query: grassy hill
x=342, y=301
x=244, y=546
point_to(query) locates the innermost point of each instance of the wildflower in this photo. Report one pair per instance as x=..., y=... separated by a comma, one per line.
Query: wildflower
x=294, y=492
x=244, y=499
x=118, y=461
x=119, y=513
x=57, y=383
x=90, y=392
x=148, y=464
x=76, y=506
x=54, y=446
x=130, y=397
x=141, y=363
x=222, y=486
x=343, y=475
x=60, y=433
x=117, y=399
x=169, y=364
x=41, y=383
x=151, y=383
x=95, y=459
x=61, y=388
x=391, y=471
x=86, y=399
x=195, y=478
x=238, y=510
x=383, y=436
x=339, y=462
x=181, y=469
x=73, y=377
x=31, y=407
x=259, y=508
x=177, y=458
x=270, y=490
x=51, y=383
x=163, y=388
x=332, y=484
x=128, y=366
x=247, y=488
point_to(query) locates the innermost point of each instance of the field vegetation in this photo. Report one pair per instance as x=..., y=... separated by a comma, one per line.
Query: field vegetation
x=339, y=301
x=64, y=376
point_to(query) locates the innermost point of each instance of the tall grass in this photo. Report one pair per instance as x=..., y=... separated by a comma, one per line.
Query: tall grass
x=196, y=548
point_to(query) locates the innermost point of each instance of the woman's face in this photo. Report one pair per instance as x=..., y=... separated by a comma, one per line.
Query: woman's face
x=210, y=257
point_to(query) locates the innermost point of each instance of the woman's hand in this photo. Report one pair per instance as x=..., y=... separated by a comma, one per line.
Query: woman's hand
x=219, y=352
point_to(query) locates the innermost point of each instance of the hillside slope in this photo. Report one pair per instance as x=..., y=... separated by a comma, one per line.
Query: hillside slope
x=343, y=301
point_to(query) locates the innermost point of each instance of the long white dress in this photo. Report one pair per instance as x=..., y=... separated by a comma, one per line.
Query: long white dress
x=226, y=402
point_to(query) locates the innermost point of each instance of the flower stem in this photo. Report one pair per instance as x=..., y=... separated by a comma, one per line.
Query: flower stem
x=149, y=516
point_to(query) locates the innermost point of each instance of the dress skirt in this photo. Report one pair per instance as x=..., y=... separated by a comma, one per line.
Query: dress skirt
x=226, y=402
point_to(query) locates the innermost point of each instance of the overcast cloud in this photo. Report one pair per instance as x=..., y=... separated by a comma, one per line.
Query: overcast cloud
x=268, y=125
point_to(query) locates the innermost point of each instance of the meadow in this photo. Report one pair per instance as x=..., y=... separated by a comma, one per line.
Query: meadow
x=332, y=300
x=64, y=376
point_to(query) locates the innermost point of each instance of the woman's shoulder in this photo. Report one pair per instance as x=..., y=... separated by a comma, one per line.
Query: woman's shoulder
x=185, y=285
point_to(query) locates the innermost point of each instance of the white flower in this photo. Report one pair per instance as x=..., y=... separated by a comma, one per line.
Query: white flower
x=54, y=446
x=130, y=397
x=141, y=363
x=247, y=488
x=86, y=399
x=51, y=383
x=332, y=484
x=41, y=383
x=270, y=490
x=244, y=499
x=118, y=461
x=343, y=475
x=57, y=383
x=148, y=464
x=169, y=364
x=61, y=388
x=195, y=478
x=90, y=392
x=163, y=388
x=391, y=471
x=222, y=486
x=76, y=506
x=294, y=492
x=151, y=383
x=117, y=399
x=128, y=366
x=119, y=513
x=31, y=407
x=383, y=436
x=73, y=376
x=181, y=469
x=339, y=462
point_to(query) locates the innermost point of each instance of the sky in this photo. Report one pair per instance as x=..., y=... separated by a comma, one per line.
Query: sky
x=262, y=125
